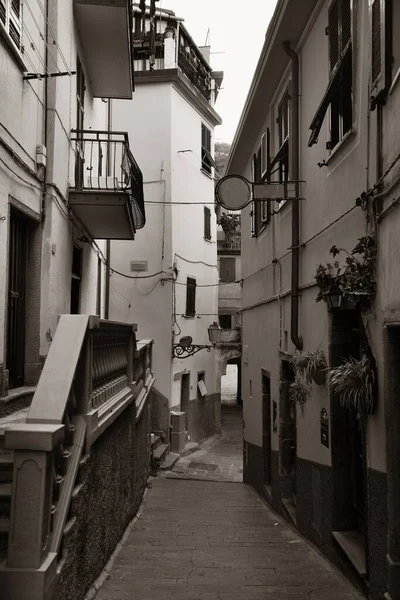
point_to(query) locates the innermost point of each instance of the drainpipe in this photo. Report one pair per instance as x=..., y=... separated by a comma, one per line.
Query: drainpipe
x=295, y=170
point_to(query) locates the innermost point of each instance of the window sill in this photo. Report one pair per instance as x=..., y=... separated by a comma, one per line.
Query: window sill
x=14, y=52
x=188, y=316
x=209, y=240
x=340, y=145
x=206, y=173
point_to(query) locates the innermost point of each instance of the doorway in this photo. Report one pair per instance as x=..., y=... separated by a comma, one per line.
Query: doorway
x=287, y=434
x=185, y=396
x=16, y=307
x=76, y=279
x=348, y=435
x=266, y=411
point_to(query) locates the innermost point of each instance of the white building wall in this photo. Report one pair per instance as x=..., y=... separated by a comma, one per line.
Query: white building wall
x=194, y=256
x=148, y=302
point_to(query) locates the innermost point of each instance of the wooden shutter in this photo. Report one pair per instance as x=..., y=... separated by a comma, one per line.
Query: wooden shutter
x=227, y=270
x=190, y=297
x=381, y=49
x=207, y=223
x=333, y=32
x=3, y=11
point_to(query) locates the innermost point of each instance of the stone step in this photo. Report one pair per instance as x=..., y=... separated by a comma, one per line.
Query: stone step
x=289, y=510
x=156, y=441
x=160, y=453
x=169, y=461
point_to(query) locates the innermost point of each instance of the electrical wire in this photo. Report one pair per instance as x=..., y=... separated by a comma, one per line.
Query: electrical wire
x=55, y=43
x=195, y=262
x=32, y=185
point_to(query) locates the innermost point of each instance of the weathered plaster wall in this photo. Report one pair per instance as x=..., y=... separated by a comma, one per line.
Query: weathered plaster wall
x=148, y=302
x=112, y=479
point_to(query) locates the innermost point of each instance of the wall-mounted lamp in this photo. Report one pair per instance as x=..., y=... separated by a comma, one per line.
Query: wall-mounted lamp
x=186, y=348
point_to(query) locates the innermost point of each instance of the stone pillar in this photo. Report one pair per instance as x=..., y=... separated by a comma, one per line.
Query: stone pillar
x=29, y=565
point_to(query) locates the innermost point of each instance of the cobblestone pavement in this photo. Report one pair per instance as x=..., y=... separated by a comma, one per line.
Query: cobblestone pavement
x=219, y=458
x=203, y=540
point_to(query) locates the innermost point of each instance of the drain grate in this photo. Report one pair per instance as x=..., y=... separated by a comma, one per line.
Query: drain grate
x=203, y=466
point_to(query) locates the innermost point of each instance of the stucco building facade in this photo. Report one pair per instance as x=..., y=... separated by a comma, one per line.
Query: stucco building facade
x=322, y=110
x=170, y=283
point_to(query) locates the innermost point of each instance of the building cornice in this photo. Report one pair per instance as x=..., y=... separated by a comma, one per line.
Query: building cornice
x=183, y=85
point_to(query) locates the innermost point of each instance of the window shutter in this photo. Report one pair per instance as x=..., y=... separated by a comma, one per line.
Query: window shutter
x=15, y=22
x=264, y=154
x=190, y=297
x=381, y=51
x=207, y=223
x=345, y=21
x=333, y=32
x=227, y=271
x=3, y=11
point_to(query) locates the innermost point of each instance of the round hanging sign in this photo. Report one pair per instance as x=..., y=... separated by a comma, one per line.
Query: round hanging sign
x=233, y=192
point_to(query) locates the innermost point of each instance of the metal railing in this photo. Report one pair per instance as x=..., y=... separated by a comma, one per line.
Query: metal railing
x=104, y=162
x=231, y=242
x=198, y=75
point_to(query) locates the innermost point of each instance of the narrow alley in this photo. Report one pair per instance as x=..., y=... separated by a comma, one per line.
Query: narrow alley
x=201, y=536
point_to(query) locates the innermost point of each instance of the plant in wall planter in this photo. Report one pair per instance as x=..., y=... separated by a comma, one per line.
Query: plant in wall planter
x=355, y=279
x=354, y=381
x=300, y=391
x=310, y=366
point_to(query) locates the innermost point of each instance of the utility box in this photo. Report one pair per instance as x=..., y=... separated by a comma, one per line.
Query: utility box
x=177, y=431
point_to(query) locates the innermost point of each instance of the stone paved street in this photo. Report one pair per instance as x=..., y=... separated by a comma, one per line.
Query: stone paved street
x=202, y=540
x=220, y=458
x=216, y=540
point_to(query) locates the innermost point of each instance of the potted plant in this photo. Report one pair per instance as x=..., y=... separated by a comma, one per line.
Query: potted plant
x=354, y=382
x=300, y=391
x=310, y=365
x=354, y=280
x=229, y=223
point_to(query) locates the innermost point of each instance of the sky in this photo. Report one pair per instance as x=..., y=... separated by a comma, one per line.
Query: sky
x=236, y=37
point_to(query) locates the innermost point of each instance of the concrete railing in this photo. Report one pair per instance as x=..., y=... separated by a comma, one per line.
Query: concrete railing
x=94, y=371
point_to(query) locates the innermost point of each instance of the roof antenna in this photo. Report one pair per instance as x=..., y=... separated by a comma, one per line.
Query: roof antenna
x=207, y=43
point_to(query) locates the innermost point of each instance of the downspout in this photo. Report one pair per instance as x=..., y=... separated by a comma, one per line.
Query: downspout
x=295, y=170
x=108, y=242
x=46, y=93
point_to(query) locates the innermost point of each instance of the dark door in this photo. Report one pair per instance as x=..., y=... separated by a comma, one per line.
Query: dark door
x=17, y=258
x=266, y=404
x=76, y=280
x=348, y=435
x=185, y=392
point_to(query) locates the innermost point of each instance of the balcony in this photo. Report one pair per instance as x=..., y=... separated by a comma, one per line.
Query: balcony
x=107, y=185
x=231, y=244
x=195, y=71
x=105, y=31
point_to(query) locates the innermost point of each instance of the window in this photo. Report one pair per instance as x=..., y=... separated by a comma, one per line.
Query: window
x=261, y=211
x=207, y=161
x=207, y=223
x=227, y=270
x=381, y=50
x=190, y=297
x=11, y=19
x=225, y=321
x=339, y=94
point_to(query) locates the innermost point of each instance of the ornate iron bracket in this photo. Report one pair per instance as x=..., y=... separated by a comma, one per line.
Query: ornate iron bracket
x=179, y=351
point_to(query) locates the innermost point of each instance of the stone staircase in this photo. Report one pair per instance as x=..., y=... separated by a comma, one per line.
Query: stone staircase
x=159, y=450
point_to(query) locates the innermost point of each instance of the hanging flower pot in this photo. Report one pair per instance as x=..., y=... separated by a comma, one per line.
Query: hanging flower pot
x=354, y=382
x=310, y=366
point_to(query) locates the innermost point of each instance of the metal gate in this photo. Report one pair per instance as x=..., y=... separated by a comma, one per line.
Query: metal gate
x=17, y=258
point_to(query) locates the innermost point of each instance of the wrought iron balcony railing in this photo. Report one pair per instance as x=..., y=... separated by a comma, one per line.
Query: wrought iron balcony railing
x=105, y=163
x=197, y=74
